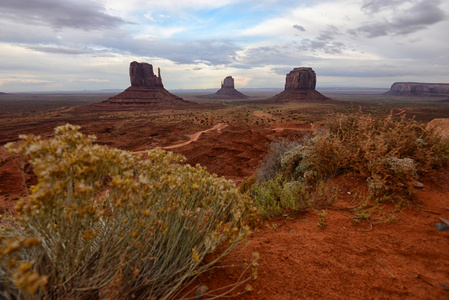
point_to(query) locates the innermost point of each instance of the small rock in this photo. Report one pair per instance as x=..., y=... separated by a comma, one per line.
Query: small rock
x=441, y=227
x=200, y=292
x=419, y=185
x=445, y=287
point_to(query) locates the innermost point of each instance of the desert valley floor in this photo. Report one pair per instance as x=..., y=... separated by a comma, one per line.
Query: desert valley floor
x=403, y=259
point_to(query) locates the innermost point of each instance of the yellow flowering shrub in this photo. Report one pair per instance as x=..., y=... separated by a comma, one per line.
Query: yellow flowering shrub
x=116, y=225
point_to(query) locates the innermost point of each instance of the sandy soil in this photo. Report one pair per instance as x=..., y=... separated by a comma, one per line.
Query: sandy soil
x=403, y=259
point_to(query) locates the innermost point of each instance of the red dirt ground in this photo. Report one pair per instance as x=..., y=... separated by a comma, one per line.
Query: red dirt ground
x=405, y=259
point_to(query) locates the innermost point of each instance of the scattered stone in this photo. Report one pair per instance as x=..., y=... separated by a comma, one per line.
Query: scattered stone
x=441, y=227
x=445, y=287
x=441, y=127
x=418, y=89
x=200, y=292
x=227, y=91
x=419, y=185
x=445, y=221
x=300, y=85
x=147, y=89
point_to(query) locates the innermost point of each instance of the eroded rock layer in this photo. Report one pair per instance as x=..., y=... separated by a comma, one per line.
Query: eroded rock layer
x=300, y=85
x=227, y=91
x=418, y=89
x=147, y=89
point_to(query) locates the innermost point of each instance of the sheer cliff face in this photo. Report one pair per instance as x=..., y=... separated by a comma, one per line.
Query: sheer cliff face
x=300, y=85
x=228, y=82
x=418, y=89
x=147, y=89
x=301, y=79
x=141, y=74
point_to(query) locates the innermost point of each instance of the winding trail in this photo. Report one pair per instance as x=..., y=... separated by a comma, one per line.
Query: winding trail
x=194, y=137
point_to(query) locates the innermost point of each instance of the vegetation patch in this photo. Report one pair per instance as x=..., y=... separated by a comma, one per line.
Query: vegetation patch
x=103, y=223
x=390, y=153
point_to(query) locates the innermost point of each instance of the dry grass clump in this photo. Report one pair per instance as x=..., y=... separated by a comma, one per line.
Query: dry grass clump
x=113, y=225
x=389, y=152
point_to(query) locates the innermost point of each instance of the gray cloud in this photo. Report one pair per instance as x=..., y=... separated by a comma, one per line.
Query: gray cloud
x=373, y=6
x=60, y=50
x=284, y=70
x=299, y=27
x=324, y=42
x=209, y=52
x=416, y=18
x=80, y=14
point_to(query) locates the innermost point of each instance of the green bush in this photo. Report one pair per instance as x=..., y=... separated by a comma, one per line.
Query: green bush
x=278, y=196
x=113, y=225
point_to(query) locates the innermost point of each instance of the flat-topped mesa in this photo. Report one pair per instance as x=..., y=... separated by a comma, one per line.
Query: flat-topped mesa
x=141, y=74
x=418, y=89
x=301, y=78
x=300, y=85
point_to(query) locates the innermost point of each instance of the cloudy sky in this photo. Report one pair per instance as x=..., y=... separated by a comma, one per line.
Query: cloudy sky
x=50, y=45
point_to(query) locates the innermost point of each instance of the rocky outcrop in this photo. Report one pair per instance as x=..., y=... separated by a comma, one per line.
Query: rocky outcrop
x=441, y=127
x=227, y=91
x=228, y=82
x=300, y=85
x=301, y=78
x=141, y=74
x=147, y=89
x=418, y=89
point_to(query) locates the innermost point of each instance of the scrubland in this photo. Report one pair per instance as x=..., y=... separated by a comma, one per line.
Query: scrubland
x=92, y=220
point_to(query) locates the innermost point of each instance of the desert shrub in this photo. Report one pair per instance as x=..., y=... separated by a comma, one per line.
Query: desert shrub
x=271, y=164
x=276, y=196
x=389, y=152
x=113, y=225
x=392, y=176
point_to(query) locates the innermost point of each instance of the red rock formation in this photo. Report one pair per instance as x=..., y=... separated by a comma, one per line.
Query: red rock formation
x=300, y=86
x=228, y=82
x=141, y=74
x=418, y=89
x=227, y=91
x=301, y=78
x=147, y=89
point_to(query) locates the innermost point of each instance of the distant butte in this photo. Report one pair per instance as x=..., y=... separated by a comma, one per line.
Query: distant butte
x=300, y=85
x=227, y=91
x=147, y=89
x=418, y=89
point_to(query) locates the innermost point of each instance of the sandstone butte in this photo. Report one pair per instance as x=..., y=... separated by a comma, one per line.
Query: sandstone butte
x=300, y=85
x=227, y=91
x=418, y=89
x=147, y=89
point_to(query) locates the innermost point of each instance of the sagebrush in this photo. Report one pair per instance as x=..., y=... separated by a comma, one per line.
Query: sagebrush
x=109, y=224
x=389, y=152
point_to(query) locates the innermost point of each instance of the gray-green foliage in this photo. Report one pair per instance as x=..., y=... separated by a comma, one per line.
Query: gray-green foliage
x=114, y=225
